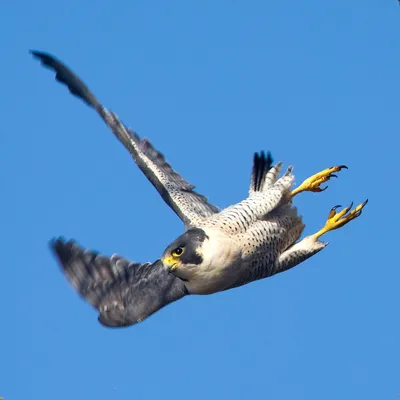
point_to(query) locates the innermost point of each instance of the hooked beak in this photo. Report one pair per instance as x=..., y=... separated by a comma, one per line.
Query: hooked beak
x=171, y=263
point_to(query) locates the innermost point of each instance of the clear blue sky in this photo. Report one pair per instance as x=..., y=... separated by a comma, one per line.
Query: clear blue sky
x=209, y=83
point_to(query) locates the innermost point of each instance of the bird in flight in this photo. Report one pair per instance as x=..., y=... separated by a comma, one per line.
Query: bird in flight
x=219, y=250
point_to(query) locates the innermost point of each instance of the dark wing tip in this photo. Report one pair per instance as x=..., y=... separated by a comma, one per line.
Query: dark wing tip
x=49, y=61
x=261, y=165
x=95, y=278
x=43, y=56
x=269, y=160
x=62, y=248
x=68, y=78
x=263, y=161
x=122, y=291
x=65, y=249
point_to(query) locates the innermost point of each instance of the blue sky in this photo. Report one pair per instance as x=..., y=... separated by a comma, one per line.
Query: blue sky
x=209, y=83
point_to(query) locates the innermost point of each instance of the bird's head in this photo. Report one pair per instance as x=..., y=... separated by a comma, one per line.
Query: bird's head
x=185, y=253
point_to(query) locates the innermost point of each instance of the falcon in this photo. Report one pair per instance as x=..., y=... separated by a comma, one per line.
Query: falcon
x=219, y=250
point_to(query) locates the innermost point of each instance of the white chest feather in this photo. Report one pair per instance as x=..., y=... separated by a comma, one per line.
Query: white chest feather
x=221, y=264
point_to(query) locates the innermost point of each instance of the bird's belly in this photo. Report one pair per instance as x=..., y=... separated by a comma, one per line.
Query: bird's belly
x=212, y=280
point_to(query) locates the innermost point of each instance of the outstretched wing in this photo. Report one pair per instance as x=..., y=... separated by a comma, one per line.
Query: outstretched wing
x=176, y=192
x=123, y=292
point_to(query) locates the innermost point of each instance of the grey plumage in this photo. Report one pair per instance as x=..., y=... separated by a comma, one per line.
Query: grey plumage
x=176, y=192
x=190, y=240
x=253, y=239
x=122, y=295
x=124, y=292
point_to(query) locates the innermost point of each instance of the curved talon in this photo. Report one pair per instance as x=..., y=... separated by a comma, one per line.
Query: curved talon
x=360, y=207
x=351, y=204
x=337, y=220
x=363, y=204
x=339, y=167
x=318, y=189
x=313, y=183
x=332, y=211
x=348, y=208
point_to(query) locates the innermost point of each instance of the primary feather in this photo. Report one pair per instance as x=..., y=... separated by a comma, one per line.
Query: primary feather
x=123, y=292
x=250, y=240
x=176, y=192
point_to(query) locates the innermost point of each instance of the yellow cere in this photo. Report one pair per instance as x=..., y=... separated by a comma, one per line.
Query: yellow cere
x=171, y=261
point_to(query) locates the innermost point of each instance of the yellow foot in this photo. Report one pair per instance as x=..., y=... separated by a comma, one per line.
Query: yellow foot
x=313, y=183
x=337, y=220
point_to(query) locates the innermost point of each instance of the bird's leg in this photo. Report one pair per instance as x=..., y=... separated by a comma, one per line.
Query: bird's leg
x=310, y=245
x=297, y=253
x=337, y=220
x=313, y=183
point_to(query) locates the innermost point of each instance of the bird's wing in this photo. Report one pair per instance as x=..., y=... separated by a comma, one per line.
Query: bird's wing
x=263, y=174
x=123, y=292
x=176, y=192
x=261, y=165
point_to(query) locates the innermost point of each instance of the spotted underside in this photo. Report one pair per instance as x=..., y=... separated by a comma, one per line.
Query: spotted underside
x=264, y=225
x=250, y=240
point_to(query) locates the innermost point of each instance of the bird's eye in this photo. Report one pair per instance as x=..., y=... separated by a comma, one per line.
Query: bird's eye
x=178, y=252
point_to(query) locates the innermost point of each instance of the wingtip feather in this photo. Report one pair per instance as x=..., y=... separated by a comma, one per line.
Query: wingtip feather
x=261, y=165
